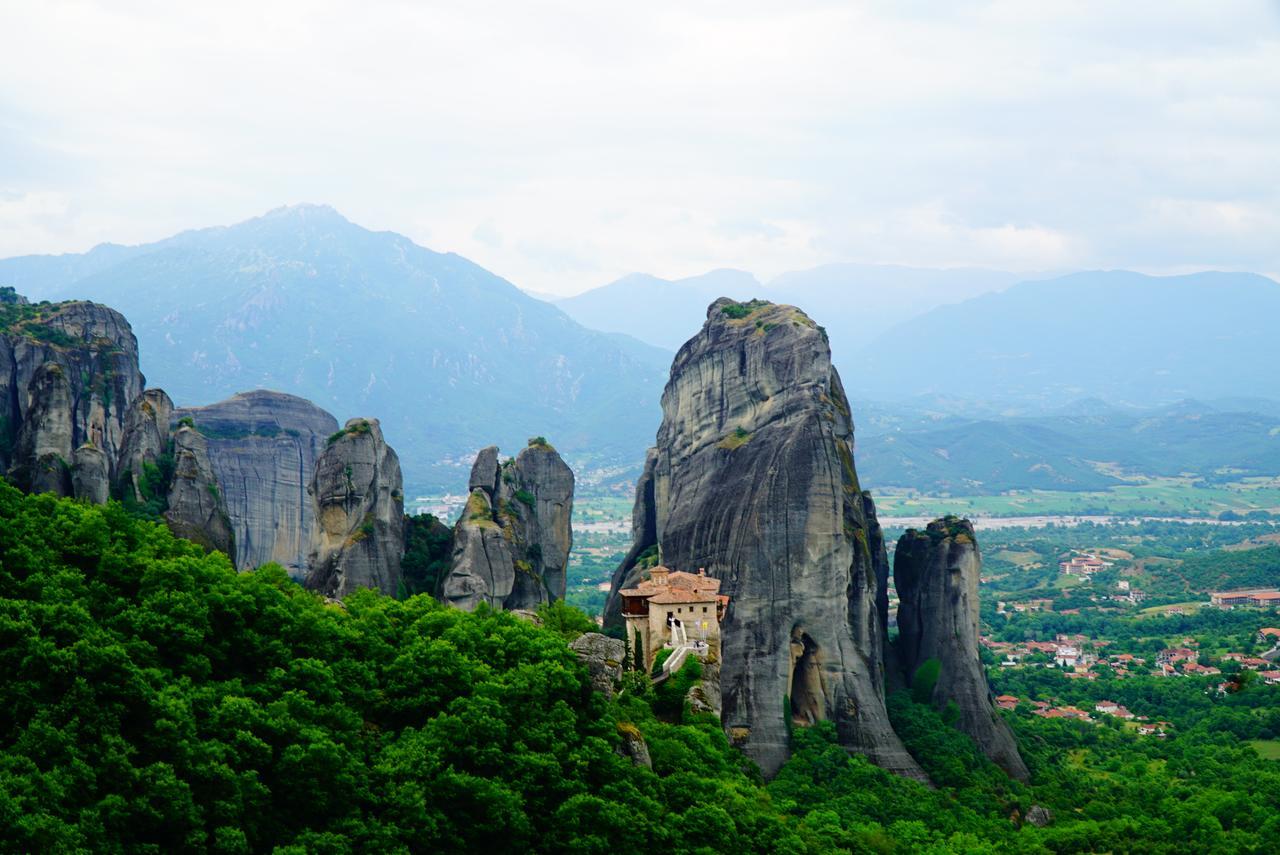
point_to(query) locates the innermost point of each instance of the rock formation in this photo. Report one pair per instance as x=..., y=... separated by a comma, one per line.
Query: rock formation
x=68, y=372
x=264, y=446
x=483, y=569
x=752, y=478
x=42, y=454
x=632, y=746
x=603, y=657
x=936, y=573
x=511, y=544
x=196, y=510
x=145, y=444
x=704, y=696
x=90, y=475
x=358, y=499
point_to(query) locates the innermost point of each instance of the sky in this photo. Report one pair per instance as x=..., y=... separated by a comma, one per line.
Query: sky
x=565, y=144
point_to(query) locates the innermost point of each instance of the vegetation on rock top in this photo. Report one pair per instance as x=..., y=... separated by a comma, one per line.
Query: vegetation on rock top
x=738, y=311
x=361, y=426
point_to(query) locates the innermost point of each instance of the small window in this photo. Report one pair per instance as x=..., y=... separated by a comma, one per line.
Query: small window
x=704, y=610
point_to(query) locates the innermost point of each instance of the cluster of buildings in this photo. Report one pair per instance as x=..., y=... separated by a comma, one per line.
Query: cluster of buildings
x=1079, y=656
x=1185, y=660
x=1254, y=597
x=1037, y=605
x=1083, y=564
x=1124, y=593
x=1046, y=709
x=1065, y=651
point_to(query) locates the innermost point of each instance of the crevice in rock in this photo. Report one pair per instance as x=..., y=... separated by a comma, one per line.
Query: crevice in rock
x=808, y=696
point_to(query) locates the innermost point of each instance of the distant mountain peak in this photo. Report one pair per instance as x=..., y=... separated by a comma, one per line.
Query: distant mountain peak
x=304, y=211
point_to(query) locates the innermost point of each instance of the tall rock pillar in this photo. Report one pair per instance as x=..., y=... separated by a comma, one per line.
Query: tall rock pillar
x=936, y=573
x=752, y=478
x=358, y=496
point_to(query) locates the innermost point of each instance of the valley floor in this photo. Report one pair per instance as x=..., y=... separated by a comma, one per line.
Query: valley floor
x=1162, y=497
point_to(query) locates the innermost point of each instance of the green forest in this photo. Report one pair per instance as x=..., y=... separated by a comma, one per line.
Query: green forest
x=155, y=700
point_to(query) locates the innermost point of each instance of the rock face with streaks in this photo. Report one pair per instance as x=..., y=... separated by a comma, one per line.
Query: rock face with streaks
x=752, y=478
x=936, y=573
x=196, y=510
x=511, y=544
x=68, y=372
x=603, y=657
x=145, y=447
x=358, y=499
x=263, y=446
x=42, y=456
x=90, y=475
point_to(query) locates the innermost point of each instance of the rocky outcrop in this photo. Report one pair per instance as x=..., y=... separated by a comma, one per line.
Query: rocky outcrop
x=483, y=569
x=752, y=478
x=511, y=544
x=42, y=455
x=603, y=657
x=358, y=500
x=936, y=574
x=1039, y=816
x=68, y=372
x=90, y=475
x=484, y=471
x=263, y=446
x=196, y=510
x=704, y=696
x=145, y=444
x=631, y=745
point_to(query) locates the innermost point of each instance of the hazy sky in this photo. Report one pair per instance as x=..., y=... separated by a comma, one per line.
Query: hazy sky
x=562, y=144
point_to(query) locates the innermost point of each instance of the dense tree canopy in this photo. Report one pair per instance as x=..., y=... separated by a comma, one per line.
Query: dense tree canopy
x=154, y=700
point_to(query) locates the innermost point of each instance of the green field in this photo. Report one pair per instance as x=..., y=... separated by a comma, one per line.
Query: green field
x=1268, y=749
x=1166, y=497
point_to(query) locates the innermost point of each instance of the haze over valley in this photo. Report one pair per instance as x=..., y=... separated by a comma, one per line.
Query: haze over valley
x=1078, y=382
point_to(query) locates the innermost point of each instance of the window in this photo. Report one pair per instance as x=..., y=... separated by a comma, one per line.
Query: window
x=704, y=610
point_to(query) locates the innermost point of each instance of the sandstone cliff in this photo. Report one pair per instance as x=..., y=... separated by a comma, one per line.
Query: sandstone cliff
x=358, y=499
x=145, y=445
x=90, y=475
x=263, y=447
x=195, y=507
x=752, y=478
x=512, y=542
x=68, y=372
x=936, y=573
x=42, y=452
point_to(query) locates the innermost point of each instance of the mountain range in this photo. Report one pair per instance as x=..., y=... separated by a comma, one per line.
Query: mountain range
x=855, y=302
x=447, y=355
x=1117, y=335
x=957, y=378
x=1021, y=343
x=1088, y=445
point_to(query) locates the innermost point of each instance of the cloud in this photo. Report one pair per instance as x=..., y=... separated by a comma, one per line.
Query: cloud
x=32, y=219
x=565, y=144
x=487, y=234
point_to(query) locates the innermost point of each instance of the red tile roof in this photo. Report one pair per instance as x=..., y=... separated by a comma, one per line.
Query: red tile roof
x=677, y=587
